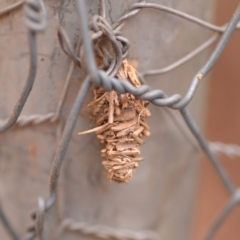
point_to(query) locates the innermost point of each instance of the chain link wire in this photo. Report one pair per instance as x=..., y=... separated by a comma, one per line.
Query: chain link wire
x=104, y=232
x=35, y=19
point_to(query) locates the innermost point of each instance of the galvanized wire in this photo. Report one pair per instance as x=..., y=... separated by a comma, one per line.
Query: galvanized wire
x=184, y=59
x=157, y=97
x=104, y=232
x=8, y=226
x=10, y=8
x=36, y=21
x=230, y=150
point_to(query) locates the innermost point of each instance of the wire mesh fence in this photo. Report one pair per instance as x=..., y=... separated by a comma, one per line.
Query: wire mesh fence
x=82, y=56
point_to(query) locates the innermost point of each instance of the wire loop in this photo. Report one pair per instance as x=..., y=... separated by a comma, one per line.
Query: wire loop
x=105, y=41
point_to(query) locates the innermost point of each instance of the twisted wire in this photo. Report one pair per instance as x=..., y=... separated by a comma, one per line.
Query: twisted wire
x=35, y=19
x=104, y=232
x=111, y=83
x=100, y=23
x=34, y=119
x=218, y=148
x=35, y=228
x=59, y=156
x=36, y=15
x=36, y=22
x=119, y=23
x=157, y=97
x=230, y=150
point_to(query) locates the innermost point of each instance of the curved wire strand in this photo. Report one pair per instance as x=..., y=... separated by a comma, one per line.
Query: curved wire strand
x=58, y=160
x=32, y=8
x=231, y=204
x=35, y=19
x=170, y=10
x=8, y=225
x=157, y=97
x=211, y=61
x=206, y=148
x=182, y=60
x=65, y=139
x=104, y=232
x=10, y=8
x=69, y=51
x=11, y=120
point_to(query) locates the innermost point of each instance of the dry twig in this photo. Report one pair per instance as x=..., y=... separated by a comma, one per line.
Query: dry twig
x=121, y=126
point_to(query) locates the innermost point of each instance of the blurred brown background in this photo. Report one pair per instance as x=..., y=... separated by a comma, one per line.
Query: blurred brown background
x=222, y=124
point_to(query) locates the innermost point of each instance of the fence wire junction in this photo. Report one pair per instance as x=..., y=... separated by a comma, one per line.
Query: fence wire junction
x=35, y=19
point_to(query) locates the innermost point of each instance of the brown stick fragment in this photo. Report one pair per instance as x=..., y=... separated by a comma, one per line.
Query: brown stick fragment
x=138, y=131
x=146, y=133
x=110, y=164
x=128, y=176
x=139, y=140
x=126, y=115
x=104, y=128
x=144, y=124
x=126, y=139
x=124, y=125
x=111, y=106
x=132, y=97
x=99, y=106
x=109, y=147
x=131, y=73
x=138, y=159
x=101, y=118
x=96, y=129
x=133, y=152
x=107, y=132
x=118, y=160
x=97, y=100
x=111, y=137
x=126, y=131
x=146, y=113
x=124, y=100
x=101, y=137
x=128, y=159
x=116, y=100
x=123, y=139
x=125, y=146
x=125, y=166
x=117, y=111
